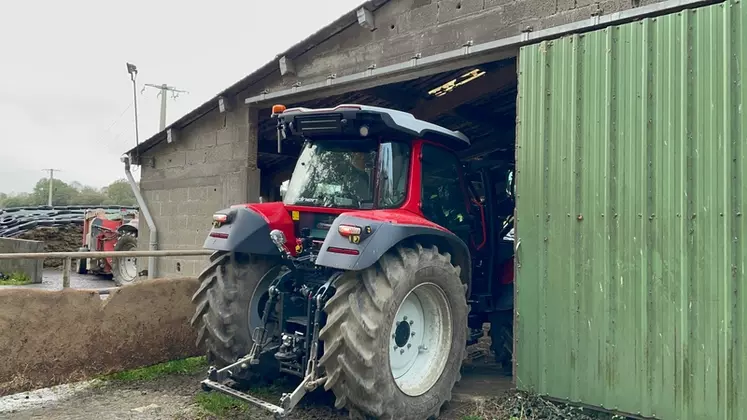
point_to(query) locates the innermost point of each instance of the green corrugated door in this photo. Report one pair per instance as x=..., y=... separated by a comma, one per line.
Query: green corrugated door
x=632, y=216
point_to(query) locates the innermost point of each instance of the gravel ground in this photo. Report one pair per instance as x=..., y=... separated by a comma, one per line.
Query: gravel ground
x=174, y=398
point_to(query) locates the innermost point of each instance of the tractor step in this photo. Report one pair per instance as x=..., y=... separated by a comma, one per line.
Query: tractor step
x=279, y=412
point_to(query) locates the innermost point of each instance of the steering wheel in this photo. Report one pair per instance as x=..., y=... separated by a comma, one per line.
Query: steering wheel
x=350, y=195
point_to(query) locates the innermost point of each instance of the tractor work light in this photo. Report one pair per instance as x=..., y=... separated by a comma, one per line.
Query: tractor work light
x=223, y=218
x=348, y=230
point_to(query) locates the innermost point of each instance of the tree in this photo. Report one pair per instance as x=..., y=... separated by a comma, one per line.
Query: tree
x=89, y=196
x=62, y=193
x=16, y=200
x=120, y=192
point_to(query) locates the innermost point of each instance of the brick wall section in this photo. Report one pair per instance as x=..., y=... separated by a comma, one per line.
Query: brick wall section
x=407, y=27
x=212, y=165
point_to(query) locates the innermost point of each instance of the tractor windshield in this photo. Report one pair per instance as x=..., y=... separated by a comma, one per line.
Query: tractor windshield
x=356, y=174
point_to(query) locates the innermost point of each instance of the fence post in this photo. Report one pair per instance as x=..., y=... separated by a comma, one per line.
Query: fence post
x=66, y=267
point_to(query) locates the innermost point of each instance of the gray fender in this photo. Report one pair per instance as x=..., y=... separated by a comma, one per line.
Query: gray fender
x=246, y=232
x=383, y=237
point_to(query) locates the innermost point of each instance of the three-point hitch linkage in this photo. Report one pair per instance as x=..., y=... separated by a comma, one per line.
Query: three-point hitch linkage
x=311, y=380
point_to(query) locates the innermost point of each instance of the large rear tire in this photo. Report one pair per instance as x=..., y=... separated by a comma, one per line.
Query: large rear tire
x=124, y=269
x=502, y=339
x=411, y=299
x=229, y=303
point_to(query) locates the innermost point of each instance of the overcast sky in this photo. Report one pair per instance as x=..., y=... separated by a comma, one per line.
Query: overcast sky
x=66, y=97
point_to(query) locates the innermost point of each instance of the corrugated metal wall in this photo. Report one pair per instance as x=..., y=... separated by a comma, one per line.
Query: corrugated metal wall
x=632, y=206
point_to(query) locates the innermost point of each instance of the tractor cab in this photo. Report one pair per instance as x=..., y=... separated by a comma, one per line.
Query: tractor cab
x=363, y=271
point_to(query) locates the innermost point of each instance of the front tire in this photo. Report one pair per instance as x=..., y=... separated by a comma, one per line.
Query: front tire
x=365, y=321
x=124, y=269
x=228, y=303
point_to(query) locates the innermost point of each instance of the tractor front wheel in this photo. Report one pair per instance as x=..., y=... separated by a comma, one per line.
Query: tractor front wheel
x=124, y=269
x=229, y=306
x=395, y=336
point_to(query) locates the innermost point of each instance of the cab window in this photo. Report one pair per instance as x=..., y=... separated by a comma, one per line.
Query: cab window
x=443, y=197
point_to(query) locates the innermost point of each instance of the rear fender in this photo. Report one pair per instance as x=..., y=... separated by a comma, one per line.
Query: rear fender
x=245, y=231
x=346, y=255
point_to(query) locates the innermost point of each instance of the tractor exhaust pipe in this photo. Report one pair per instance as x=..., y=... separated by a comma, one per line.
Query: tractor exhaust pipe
x=153, y=243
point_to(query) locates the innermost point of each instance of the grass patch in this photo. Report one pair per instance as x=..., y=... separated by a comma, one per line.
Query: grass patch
x=14, y=279
x=175, y=367
x=220, y=405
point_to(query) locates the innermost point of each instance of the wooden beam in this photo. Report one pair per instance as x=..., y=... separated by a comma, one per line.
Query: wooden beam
x=488, y=83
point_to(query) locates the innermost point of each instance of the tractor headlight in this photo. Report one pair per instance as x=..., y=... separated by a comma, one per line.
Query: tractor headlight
x=278, y=238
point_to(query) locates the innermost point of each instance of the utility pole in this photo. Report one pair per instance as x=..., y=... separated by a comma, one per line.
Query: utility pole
x=163, y=89
x=51, y=184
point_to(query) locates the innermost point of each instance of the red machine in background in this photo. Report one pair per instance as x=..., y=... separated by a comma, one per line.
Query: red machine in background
x=110, y=231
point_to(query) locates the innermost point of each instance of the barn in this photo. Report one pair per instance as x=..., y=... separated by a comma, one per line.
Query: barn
x=607, y=111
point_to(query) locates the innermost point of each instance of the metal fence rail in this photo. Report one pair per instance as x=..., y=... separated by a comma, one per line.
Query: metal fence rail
x=68, y=257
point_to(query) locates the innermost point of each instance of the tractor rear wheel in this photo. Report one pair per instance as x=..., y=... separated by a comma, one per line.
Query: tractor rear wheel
x=502, y=339
x=229, y=304
x=124, y=269
x=395, y=336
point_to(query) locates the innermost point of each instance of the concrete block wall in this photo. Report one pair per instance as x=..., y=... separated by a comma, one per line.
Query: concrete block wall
x=32, y=268
x=211, y=165
x=405, y=28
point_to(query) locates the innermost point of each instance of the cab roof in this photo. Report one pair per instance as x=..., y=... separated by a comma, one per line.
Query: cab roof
x=348, y=118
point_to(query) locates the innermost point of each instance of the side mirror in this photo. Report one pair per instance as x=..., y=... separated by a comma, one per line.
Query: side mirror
x=284, y=188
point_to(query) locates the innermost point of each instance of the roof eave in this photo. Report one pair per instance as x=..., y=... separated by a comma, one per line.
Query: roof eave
x=298, y=49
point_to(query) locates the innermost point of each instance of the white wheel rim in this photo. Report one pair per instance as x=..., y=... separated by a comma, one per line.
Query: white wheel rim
x=420, y=339
x=130, y=268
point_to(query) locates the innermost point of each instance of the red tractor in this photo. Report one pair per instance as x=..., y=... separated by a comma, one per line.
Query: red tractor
x=106, y=231
x=371, y=277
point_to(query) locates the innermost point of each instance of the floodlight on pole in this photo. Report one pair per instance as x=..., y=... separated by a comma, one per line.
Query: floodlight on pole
x=132, y=69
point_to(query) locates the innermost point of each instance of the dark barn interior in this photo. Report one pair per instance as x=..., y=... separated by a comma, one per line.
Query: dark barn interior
x=479, y=101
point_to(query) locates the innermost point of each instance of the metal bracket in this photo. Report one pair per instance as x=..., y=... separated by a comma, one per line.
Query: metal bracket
x=277, y=411
x=222, y=374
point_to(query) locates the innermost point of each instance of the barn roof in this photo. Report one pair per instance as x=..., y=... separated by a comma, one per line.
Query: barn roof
x=258, y=75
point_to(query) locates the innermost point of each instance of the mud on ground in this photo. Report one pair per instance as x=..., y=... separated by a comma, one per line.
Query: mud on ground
x=56, y=239
x=51, y=337
x=176, y=397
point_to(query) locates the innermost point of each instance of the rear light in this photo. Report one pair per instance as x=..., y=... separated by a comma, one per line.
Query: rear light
x=349, y=230
x=224, y=218
x=344, y=251
x=219, y=235
x=348, y=107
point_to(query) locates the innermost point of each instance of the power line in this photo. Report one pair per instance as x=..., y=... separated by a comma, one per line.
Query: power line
x=119, y=118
